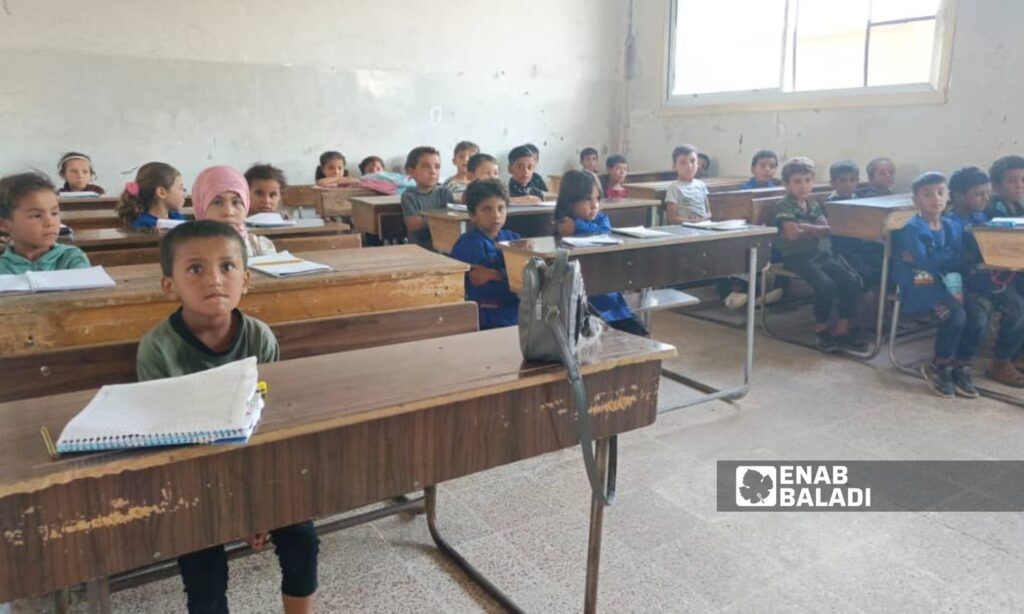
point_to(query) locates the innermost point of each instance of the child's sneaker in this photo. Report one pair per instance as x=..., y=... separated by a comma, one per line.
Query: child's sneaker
x=771, y=297
x=940, y=379
x=736, y=300
x=1005, y=373
x=962, y=382
x=826, y=342
x=852, y=340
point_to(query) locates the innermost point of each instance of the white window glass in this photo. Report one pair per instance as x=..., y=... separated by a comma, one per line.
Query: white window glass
x=901, y=53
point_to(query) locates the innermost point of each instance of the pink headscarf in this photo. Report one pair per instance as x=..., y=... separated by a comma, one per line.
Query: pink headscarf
x=214, y=181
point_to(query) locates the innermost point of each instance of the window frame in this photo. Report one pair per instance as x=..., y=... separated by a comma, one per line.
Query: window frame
x=934, y=92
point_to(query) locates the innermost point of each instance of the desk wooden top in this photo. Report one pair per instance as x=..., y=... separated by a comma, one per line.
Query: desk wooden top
x=870, y=219
x=103, y=217
x=519, y=210
x=548, y=247
x=106, y=201
x=1001, y=247
x=891, y=202
x=112, y=238
x=379, y=200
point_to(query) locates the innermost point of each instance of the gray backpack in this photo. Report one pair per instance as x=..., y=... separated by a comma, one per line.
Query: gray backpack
x=554, y=324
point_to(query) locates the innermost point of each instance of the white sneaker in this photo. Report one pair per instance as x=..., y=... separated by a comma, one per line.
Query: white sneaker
x=773, y=296
x=735, y=300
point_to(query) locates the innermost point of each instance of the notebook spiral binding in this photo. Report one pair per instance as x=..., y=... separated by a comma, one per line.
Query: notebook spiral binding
x=118, y=442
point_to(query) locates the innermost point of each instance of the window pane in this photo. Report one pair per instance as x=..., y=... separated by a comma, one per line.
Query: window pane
x=901, y=53
x=727, y=45
x=830, y=41
x=888, y=10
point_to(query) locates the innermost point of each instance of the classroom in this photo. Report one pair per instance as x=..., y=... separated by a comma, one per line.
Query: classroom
x=593, y=305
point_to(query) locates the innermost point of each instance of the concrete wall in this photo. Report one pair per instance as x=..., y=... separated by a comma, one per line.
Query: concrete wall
x=201, y=82
x=983, y=119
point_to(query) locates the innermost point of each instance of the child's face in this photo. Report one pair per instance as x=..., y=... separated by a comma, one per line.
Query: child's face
x=375, y=166
x=35, y=222
x=427, y=171
x=589, y=208
x=174, y=197
x=78, y=174
x=618, y=173
x=974, y=199
x=931, y=200
x=845, y=185
x=489, y=216
x=800, y=185
x=227, y=207
x=462, y=158
x=590, y=163
x=264, y=196
x=334, y=168
x=702, y=167
x=486, y=170
x=522, y=169
x=686, y=166
x=764, y=170
x=1012, y=186
x=208, y=278
x=884, y=176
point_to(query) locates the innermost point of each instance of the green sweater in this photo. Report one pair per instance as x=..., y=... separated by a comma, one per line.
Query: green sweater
x=170, y=349
x=59, y=257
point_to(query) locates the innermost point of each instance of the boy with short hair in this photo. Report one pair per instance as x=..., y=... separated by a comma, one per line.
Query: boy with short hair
x=457, y=183
x=802, y=225
x=30, y=216
x=686, y=200
x=204, y=268
x=487, y=280
x=929, y=258
x=844, y=176
x=521, y=162
x=881, y=178
x=536, y=181
x=482, y=166
x=865, y=257
x=703, y=165
x=1007, y=175
x=588, y=159
x=613, y=182
x=423, y=165
x=762, y=169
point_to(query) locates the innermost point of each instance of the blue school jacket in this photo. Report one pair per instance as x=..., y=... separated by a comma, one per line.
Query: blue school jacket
x=920, y=259
x=611, y=306
x=752, y=184
x=976, y=278
x=498, y=305
x=148, y=220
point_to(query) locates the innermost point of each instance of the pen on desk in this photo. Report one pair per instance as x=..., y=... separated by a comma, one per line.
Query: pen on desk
x=48, y=442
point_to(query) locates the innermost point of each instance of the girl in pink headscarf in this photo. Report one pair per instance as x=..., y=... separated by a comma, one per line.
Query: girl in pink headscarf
x=221, y=193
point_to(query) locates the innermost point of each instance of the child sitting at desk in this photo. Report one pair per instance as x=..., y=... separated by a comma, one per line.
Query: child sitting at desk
x=881, y=177
x=220, y=193
x=371, y=165
x=76, y=170
x=969, y=189
x=865, y=257
x=762, y=170
x=703, y=165
x=156, y=194
x=331, y=173
x=1007, y=175
x=686, y=200
x=266, y=185
x=204, y=268
x=802, y=225
x=30, y=216
x=521, y=185
x=929, y=257
x=457, y=183
x=487, y=279
x=588, y=159
x=577, y=214
x=423, y=165
x=483, y=166
x=536, y=181
x=613, y=182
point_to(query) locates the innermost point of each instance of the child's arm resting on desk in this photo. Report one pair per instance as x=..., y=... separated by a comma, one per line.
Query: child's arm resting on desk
x=480, y=275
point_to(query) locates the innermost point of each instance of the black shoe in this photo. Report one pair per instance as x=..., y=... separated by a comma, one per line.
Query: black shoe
x=852, y=341
x=940, y=379
x=826, y=342
x=962, y=382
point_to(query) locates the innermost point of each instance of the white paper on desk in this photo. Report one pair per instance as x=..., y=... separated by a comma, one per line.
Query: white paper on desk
x=722, y=225
x=1006, y=222
x=640, y=232
x=458, y=207
x=14, y=283
x=164, y=224
x=79, y=195
x=268, y=220
x=591, y=241
x=54, y=281
x=284, y=264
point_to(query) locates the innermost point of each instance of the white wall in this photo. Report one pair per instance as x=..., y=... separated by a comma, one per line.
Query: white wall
x=983, y=119
x=201, y=82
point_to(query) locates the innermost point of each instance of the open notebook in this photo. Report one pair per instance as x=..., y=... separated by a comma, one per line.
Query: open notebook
x=639, y=232
x=54, y=281
x=219, y=405
x=268, y=220
x=591, y=241
x=284, y=264
x=722, y=225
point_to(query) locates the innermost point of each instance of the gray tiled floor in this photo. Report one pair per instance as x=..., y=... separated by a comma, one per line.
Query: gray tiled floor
x=666, y=549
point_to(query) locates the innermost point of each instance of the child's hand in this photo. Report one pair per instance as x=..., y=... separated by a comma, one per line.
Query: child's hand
x=258, y=540
x=479, y=275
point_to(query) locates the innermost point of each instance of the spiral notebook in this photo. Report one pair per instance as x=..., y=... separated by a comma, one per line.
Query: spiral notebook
x=219, y=405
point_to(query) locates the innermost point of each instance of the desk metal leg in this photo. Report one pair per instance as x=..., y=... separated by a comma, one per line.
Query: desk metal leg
x=98, y=593
x=738, y=392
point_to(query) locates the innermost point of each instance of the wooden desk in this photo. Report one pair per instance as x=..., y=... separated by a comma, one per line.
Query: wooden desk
x=739, y=205
x=99, y=203
x=380, y=216
x=362, y=281
x=446, y=226
x=869, y=218
x=119, y=247
x=88, y=219
x=1001, y=248
x=657, y=189
x=316, y=452
x=328, y=202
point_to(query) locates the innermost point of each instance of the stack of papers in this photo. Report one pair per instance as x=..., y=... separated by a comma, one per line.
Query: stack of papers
x=592, y=241
x=640, y=232
x=458, y=207
x=79, y=195
x=723, y=225
x=284, y=264
x=268, y=220
x=219, y=405
x=1006, y=222
x=163, y=225
x=55, y=281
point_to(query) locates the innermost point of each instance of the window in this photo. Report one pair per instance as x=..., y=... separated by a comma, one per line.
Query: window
x=802, y=53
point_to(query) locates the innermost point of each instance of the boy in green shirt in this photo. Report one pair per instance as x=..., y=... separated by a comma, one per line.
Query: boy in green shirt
x=204, y=267
x=30, y=216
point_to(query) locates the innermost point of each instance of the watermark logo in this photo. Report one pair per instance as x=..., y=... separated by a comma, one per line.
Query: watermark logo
x=756, y=486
